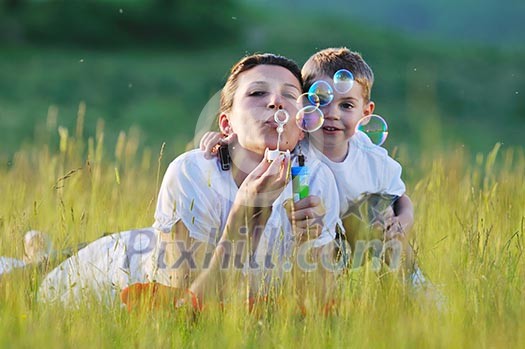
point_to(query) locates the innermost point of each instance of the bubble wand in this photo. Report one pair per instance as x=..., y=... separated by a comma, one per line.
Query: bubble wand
x=281, y=117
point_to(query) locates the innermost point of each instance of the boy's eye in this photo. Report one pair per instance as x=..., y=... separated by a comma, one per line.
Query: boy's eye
x=290, y=95
x=347, y=105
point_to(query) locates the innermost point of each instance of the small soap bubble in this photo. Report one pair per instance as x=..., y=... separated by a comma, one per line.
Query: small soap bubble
x=517, y=92
x=323, y=92
x=343, y=80
x=81, y=60
x=308, y=99
x=309, y=118
x=234, y=18
x=130, y=85
x=120, y=11
x=375, y=127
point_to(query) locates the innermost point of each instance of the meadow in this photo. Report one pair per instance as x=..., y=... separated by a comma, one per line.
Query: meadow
x=469, y=237
x=88, y=97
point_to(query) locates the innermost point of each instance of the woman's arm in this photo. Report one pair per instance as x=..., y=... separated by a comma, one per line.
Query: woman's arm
x=246, y=221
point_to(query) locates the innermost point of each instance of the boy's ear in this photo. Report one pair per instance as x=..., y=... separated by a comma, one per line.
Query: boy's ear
x=224, y=124
x=369, y=108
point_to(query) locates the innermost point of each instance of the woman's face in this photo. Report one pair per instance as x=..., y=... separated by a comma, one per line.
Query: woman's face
x=261, y=91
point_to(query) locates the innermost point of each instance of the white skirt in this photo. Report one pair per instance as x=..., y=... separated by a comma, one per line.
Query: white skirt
x=99, y=271
x=7, y=264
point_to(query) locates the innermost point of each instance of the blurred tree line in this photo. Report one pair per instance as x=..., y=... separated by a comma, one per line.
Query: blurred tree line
x=174, y=23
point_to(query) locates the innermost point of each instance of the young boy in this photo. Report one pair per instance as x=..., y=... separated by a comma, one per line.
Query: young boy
x=359, y=166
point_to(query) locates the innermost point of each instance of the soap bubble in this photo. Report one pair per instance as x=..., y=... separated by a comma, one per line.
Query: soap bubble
x=320, y=93
x=343, y=81
x=309, y=118
x=375, y=127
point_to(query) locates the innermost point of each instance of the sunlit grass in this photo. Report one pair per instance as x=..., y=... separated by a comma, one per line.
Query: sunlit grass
x=468, y=235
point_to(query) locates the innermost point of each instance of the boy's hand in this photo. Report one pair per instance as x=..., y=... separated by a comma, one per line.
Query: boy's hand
x=307, y=217
x=399, y=223
x=394, y=228
x=389, y=224
x=211, y=141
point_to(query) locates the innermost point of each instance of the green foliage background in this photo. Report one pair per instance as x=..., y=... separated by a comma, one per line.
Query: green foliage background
x=155, y=64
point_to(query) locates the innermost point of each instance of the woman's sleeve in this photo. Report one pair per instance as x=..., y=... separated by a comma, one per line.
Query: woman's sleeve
x=187, y=195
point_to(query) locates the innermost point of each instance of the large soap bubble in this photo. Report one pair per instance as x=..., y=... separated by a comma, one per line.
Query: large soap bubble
x=375, y=127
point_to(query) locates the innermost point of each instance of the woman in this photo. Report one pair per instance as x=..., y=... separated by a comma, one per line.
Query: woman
x=205, y=215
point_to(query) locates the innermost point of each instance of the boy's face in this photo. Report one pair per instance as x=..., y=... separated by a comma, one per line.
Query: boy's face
x=341, y=117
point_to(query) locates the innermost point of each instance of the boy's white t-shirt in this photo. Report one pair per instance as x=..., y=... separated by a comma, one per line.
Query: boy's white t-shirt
x=367, y=169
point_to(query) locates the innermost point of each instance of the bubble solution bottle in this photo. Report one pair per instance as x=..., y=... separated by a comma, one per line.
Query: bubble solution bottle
x=300, y=180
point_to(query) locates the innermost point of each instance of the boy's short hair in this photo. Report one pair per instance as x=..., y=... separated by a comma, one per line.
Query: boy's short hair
x=330, y=60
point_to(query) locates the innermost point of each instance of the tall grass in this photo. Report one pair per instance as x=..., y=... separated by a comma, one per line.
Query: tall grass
x=470, y=219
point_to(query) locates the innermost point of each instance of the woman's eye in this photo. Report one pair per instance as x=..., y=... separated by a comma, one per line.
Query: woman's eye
x=256, y=93
x=290, y=95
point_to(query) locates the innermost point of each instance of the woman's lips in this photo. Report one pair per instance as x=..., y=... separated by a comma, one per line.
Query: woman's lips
x=271, y=124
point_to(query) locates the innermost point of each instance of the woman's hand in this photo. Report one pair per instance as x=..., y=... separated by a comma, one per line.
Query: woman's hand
x=265, y=183
x=307, y=217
